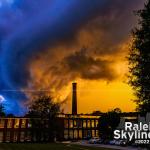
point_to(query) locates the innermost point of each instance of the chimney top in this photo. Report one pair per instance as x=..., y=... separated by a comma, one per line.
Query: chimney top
x=74, y=98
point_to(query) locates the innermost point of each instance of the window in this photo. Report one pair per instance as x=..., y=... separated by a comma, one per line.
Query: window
x=9, y=123
x=88, y=123
x=80, y=134
x=93, y=123
x=93, y=133
x=16, y=123
x=75, y=134
x=2, y=122
x=70, y=134
x=1, y=136
x=7, y=136
x=23, y=124
x=66, y=134
x=84, y=123
x=70, y=123
x=66, y=123
x=22, y=135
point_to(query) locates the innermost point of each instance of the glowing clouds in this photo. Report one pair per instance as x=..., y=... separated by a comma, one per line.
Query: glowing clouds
x=43, y=41
x=88, y=67
x=2, y=99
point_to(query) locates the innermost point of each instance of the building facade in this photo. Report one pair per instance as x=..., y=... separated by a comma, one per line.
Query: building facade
x=74, y=128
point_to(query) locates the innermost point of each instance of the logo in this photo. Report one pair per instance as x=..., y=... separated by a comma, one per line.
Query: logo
x=138, y=132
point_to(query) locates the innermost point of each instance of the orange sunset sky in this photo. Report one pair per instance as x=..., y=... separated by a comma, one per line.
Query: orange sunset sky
x=104, y=95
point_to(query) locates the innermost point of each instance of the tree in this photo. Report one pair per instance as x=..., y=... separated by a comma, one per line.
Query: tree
x=43, y=107
x=117, y=110
x=2, y=112
x=139, y=60
x=10, y=115
x=45, y=124
x=97, y=113
x=108, y=122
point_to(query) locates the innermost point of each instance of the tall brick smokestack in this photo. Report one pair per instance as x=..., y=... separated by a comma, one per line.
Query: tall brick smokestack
x=74, y=98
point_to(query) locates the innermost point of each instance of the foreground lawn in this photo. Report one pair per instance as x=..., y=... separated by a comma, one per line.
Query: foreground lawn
x=46, y=147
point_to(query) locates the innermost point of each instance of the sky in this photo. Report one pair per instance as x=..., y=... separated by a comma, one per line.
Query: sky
x=45, y=45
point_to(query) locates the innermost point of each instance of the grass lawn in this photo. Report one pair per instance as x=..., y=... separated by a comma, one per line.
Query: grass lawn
x=45, y=147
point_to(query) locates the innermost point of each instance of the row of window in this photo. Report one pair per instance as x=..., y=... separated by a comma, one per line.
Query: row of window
x=15, y=137
x=68, y=123
x=12, y=123
x=80, y=134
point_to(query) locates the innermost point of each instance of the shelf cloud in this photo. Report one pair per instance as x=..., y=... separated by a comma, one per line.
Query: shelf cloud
x=42, y=42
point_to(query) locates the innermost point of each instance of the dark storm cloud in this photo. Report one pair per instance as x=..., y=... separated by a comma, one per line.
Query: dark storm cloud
x=114, y=25
x=88, y=67
x=58, y=22
x=29, y=27
x=54, y=24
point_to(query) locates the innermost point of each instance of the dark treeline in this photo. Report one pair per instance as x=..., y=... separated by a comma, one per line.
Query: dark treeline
x=139, y=60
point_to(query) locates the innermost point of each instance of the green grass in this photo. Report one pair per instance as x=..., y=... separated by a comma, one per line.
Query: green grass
x=46, y=147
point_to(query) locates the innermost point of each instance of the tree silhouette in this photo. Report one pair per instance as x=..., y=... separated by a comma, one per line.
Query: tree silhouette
x=2, y=112
x=44, y=107
x=139, y=60
x=97, y=112
x=108, y=123
x=45, y=124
